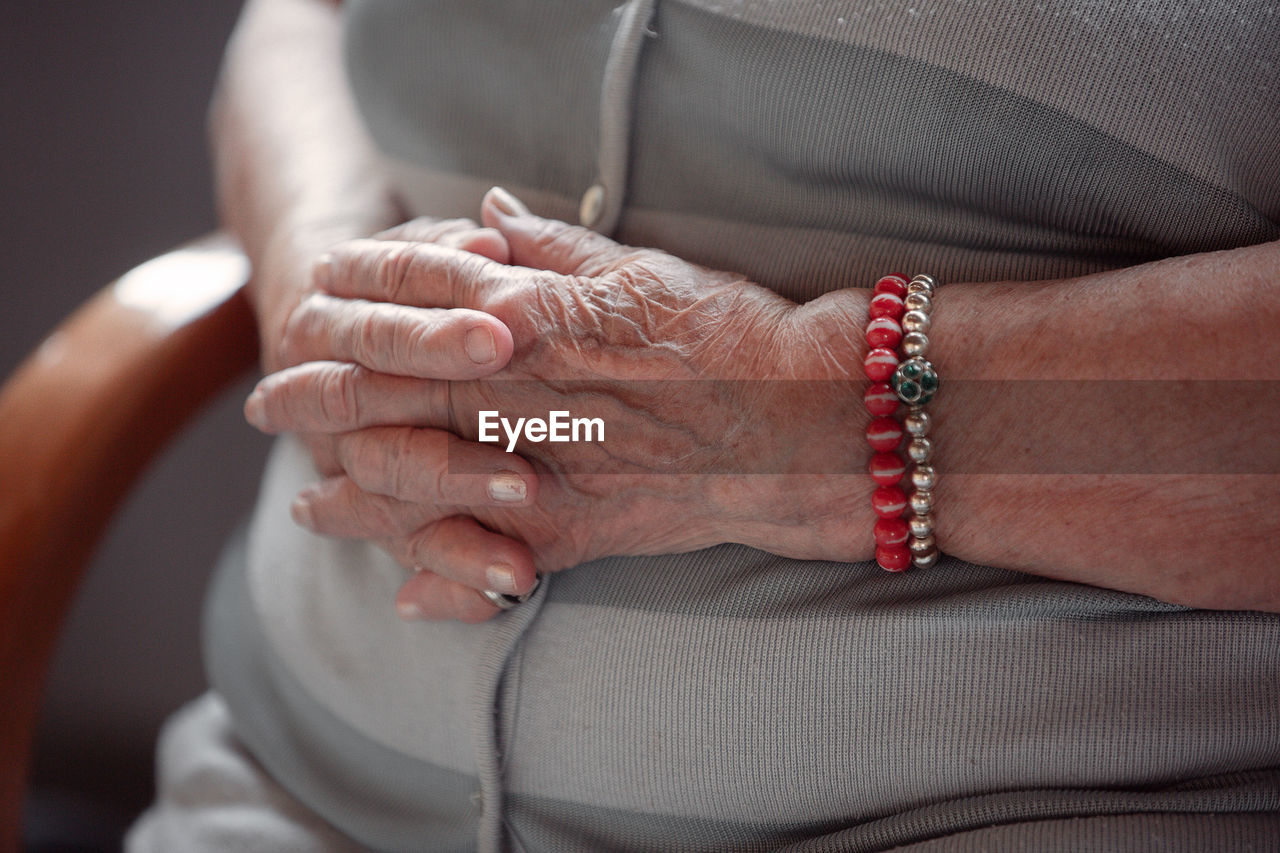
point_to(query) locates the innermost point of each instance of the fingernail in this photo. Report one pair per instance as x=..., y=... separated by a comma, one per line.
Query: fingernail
x=300, y=509
x=507, y=203
x=255, y=408
x=501, y=578
x=480, y=345
x=507, y=487
x=408, y=610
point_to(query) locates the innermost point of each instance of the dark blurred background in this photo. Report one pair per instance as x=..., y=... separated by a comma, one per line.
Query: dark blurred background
x=102, y=109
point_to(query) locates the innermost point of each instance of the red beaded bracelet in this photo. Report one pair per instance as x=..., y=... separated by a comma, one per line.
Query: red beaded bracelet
x=899, y=315
x=884, y=432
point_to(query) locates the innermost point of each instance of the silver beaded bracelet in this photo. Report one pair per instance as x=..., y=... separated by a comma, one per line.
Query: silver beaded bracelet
x=915, y=382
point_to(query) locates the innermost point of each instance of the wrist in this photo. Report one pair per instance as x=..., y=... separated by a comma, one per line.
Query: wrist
x=812, y=499
x=282, y=274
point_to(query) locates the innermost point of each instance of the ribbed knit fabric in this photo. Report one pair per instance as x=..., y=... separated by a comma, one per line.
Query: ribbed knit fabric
x=728, y=699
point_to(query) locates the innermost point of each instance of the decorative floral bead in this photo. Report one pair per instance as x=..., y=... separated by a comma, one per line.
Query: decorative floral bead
x=880, y=399
x=884, y=434
x=884, y=332
x=888, y=501
x=880, y=364
x=894, y=558
x=886, y=305
x=890, y=532
x=894, y=282
x=915, y=380
x=886, y=468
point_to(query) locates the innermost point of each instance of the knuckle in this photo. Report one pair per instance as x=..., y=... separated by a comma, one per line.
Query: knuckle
x=394, y=272
x=373, y=516
x=299, y=326
x=440, y=483
x=578, y=242
x=397, y=470
x=462, y=276
x=359, y=455
x=429, y=546
x=411, y=338
x=339, y=396
x=363, y=337
x=439, y=397
x=549, y=234
x=324, y=453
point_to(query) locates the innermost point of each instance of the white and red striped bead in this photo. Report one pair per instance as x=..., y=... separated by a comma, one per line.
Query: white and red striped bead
x=894, y=282
x=890, y=532
x=888, y=501
x=884, y=332
x=886, y=468
x=887, y=305
x=894, y=558
x=880, y=363
x=880, y=399
x=884, y=434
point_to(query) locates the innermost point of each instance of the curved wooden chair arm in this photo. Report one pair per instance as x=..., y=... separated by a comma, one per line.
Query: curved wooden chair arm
x=79, y=420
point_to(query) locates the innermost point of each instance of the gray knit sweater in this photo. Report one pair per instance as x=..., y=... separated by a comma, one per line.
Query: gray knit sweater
x=728, y=699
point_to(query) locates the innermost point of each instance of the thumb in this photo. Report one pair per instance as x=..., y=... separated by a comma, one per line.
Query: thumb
x=548, y=244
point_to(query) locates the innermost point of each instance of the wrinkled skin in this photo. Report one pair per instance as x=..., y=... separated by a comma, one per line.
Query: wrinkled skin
x=729, y=411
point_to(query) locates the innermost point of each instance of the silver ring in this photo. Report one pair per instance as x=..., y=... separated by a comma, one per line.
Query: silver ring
x=502, y=601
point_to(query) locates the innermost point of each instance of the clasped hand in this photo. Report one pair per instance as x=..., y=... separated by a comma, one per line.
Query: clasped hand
x=718, y=399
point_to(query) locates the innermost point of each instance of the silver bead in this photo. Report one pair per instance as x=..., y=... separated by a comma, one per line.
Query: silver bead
x=921, y=527
x=925, y=561
x=920, y=449
x=917, y=421
x=928, y=282
x=915, y=344
x=921, y=501
x=924, y=477
x=921, y=544
x=915, y=321
x=918, y=301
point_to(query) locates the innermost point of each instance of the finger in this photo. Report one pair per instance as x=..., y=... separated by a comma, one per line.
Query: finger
x=329, y=397
x=425, y=275
x=432, y=466
x=460, y=549
x=338, y=507
x=548, y=244
x=324, y=453
x=429, y=596
x=431, y=343
x=463, y=234
x=425, y=229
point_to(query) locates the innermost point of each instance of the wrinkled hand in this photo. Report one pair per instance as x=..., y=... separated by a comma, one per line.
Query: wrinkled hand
x=462, y=344
x=693, y=373
x=485, y=342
